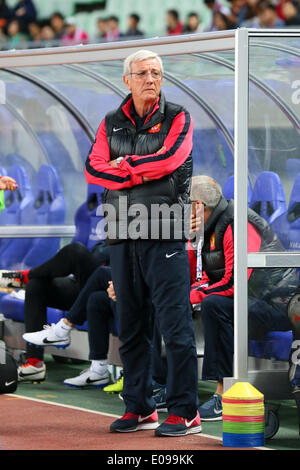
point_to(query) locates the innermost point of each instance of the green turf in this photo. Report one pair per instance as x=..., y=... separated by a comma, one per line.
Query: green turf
x=53, y=390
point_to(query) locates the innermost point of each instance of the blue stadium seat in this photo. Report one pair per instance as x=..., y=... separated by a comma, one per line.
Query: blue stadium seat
x=18, y=211
x=87, y=217
x=13, y=308
x=292, y=167
x=228, y=189
x=276, y=345
x=293, y=216
x=17, y=159
x=57, y=153
x=211, y=156
x=50, y=209
x=268, y=200
x=86, y=221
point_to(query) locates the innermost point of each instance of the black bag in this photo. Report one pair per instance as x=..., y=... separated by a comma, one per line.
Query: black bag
x=8, y=374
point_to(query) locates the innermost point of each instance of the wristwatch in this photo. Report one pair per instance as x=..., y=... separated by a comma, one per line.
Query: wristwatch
x=119, y=159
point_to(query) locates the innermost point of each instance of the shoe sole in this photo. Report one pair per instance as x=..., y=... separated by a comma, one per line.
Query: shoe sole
x=58, y=346
x=139, y=427
x=86, y=386
x=219, y=418
x=194, y=430
x=33, y=381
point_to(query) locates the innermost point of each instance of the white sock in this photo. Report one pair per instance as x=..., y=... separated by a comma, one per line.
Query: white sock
x=100, y=367
x=61, y=329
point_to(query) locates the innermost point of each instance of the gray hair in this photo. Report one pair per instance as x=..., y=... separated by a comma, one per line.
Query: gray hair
x=142, y=54
x=207, y=190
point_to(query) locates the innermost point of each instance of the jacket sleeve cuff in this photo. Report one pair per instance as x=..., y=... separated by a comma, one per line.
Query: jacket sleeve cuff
x=136, y=180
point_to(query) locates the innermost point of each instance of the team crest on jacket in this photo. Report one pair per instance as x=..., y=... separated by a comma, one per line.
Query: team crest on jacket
x=155, y=128
x=212, y=242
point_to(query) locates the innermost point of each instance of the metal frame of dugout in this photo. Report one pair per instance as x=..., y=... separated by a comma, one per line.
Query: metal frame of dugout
x=271, y=380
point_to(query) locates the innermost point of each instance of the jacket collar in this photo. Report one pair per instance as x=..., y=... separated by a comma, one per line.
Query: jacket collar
x=154, y=117
x=214, y=217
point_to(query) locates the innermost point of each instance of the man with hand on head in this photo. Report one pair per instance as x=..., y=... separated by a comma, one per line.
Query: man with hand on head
x=269, y=290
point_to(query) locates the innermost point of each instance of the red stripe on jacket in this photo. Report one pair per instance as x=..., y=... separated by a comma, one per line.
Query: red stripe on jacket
x=198, y=292
x=99, y=158
x=167, y=160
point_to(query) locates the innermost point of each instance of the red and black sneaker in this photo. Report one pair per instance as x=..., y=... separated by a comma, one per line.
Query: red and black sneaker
x=131, y=422
x=13, y=279
x=178, y=426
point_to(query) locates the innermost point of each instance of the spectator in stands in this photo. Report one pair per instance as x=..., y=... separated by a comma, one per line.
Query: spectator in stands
x=5, y=15
x=25, y=12
x=15, y=37
x=3, y=39
x=57, y=23
x=133, y=25
x=113, y=31
x=215, y=6
x=150, y=272
x=34, y=30
x=174, y=25
x=48, y=37
x=267, y=16
x=73, y=34
x=248, y=13
x=193, y=24
x=269, y=292
x=56, y=283
x=291, y=13
x=221, y=22
x=102, y=27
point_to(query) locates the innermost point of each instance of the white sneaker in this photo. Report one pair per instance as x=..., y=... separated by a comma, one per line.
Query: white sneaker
x=29, y=373
x=88, y=378
x=48, y=337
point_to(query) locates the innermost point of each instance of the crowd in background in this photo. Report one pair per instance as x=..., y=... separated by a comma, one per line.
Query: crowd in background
x=20, y=25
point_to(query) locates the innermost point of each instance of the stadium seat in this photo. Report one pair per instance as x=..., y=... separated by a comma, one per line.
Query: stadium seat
x=49, y=207
x=293, y=216
x=86, y=218
x=16, y=159
x=268, y=198
x=292, y=167
x=13, y=308
x=86, y=222
x=18, y=211
x=58, y=155
x=211, y=156
x=276, y=345
x=228, y=189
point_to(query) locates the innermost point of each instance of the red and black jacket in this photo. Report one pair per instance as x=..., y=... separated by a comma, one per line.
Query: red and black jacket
x=168, y=125
x=274, y=285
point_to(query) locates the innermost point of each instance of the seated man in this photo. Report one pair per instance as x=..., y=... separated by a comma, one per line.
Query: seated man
x=92, y=304
x=269, y=291
x=55, y=283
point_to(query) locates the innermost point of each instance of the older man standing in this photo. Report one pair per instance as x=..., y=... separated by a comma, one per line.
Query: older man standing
x=142, y=156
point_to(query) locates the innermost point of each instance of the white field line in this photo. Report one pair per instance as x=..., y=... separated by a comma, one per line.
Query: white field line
x=13, y=395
